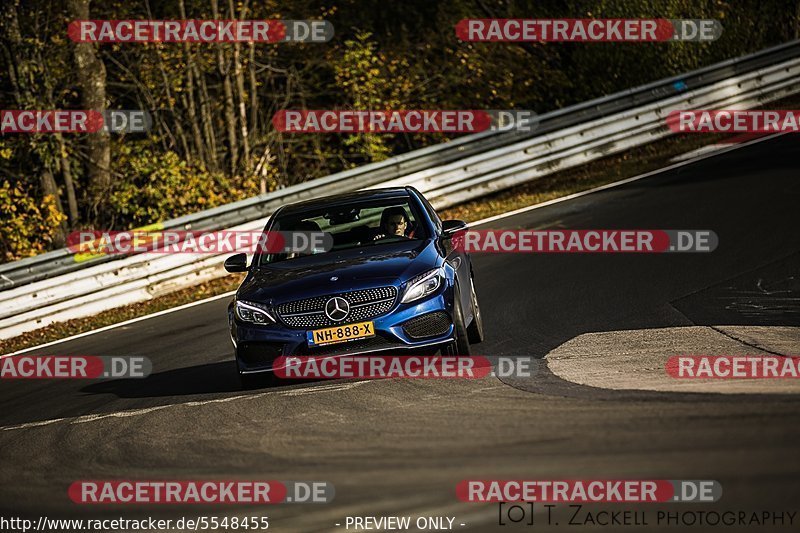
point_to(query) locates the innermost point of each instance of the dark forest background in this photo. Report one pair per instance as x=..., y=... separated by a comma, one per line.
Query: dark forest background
x=212, y=140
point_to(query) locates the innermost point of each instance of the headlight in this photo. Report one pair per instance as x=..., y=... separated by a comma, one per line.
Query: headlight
x=423, y=285
x=253, y=313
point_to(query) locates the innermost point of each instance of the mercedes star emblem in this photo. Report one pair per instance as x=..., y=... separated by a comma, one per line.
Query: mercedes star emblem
x=337, y=308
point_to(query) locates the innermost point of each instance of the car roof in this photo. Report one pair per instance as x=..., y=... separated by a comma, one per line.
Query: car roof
x=388, y=193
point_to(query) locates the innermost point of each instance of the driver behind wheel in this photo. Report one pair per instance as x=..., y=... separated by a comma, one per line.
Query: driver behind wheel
x=394, y=223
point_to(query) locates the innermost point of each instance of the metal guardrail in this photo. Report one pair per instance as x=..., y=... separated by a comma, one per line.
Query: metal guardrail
x=508, y=166
x=62, y=261
x=137, y=278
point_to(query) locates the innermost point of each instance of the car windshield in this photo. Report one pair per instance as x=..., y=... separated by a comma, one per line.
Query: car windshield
x=351, y=225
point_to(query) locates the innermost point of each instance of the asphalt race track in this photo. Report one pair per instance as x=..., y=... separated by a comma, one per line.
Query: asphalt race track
x=399, y=447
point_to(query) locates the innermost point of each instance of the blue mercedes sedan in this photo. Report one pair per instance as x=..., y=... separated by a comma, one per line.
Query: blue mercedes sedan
x=391, y=282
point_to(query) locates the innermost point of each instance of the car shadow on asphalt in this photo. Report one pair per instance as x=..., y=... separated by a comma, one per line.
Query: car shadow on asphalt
x=212, y=378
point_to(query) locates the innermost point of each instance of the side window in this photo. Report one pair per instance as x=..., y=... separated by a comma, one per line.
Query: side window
x=431, y=212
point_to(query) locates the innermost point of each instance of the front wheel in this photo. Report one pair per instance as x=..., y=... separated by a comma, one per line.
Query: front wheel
x=475, y=329
x=461, y=344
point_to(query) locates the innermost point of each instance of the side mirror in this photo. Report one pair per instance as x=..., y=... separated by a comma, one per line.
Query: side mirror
x=449, y=227
x=236, y=263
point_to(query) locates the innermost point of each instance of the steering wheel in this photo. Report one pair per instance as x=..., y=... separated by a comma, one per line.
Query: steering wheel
x=388, y=238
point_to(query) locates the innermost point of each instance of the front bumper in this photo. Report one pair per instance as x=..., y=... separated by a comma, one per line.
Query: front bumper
x=257, y=346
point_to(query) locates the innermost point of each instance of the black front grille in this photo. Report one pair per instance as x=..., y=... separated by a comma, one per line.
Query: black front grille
x=364, y=305
x=430, y=325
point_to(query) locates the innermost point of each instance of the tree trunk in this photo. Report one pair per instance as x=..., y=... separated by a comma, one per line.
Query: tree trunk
x=253, y=90
x=66, y=172
x=208, y=120
x=64, y=164
x=21, y=80
x=92, y=80
x=189, y=96
x=238, y=75
x=49, y=187
x=230, y=115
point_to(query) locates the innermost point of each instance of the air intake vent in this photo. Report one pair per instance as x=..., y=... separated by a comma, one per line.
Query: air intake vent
x=430, y=325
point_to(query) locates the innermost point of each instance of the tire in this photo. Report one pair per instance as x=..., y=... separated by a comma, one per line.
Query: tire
x=475, y=329
x=461, y=344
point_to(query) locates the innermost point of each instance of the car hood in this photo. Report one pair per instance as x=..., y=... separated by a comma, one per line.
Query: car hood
x=360, y=268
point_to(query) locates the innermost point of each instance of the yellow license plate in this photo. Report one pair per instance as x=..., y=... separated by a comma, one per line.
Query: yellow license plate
x=344, y=333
